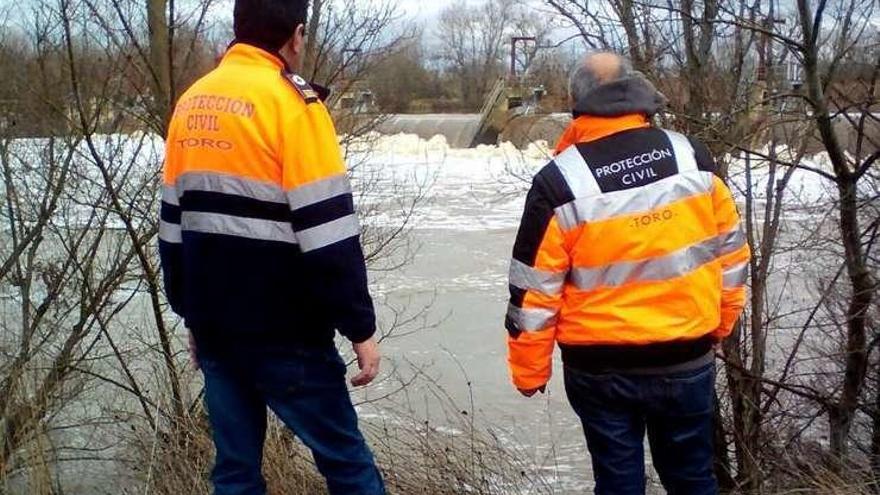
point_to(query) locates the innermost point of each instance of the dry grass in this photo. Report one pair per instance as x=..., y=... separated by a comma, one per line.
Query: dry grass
x=812, y=470
x=828, y=482
x=454, y=455
x=181, y=465
x=414, y=456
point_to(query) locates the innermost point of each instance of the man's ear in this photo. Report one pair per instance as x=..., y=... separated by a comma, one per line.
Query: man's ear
x=299, y=36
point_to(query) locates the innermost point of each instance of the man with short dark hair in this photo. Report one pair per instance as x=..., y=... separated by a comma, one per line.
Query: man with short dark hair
x=631, y=257
x=261, y=256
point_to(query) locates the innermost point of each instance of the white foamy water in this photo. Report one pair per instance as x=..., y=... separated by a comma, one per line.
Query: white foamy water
x=466, y=189
x=483, y=188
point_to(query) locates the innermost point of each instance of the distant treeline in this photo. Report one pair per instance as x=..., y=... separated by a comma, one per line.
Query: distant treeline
x=447, y=66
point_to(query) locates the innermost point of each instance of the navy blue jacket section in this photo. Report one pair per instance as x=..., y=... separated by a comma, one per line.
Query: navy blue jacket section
x=549, y=191
x=241, y=291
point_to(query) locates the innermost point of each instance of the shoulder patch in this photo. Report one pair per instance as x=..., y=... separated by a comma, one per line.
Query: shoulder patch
x=303, y=88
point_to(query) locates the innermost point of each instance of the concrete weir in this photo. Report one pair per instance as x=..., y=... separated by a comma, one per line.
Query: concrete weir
x=508, y=114
x=463, y=130
x=460, y=130
x=520, y=129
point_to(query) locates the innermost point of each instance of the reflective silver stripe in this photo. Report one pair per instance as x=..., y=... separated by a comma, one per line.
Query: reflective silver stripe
x=318, y=191
x=531, y=320
x=230, y=184
x=170, y=232
x=329, y=233
x=250, y=228
x=736, y=276
x=530, y=278
x=577, y=174
x=169, y=195
x=672, y=265
x=731, y=240
x=631, y=201
x=684, y=152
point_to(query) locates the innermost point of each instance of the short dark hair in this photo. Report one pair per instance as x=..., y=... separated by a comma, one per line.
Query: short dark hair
x=268, y=24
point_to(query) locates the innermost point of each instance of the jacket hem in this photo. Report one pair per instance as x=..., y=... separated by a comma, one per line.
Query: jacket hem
x=655, y=357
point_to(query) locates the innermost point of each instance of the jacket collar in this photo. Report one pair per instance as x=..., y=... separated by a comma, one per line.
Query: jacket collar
x=247, y=54
x=241, y=52
x=588, y=128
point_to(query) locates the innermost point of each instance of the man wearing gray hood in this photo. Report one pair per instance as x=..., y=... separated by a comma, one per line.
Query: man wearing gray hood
x=631, y=258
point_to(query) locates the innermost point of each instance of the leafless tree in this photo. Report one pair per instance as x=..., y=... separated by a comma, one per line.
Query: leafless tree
x=474, y=43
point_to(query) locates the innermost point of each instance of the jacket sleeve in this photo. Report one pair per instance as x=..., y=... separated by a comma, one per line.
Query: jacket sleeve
x=324, y=221
x=734, y=254
x=170, y=239
x=538, y=271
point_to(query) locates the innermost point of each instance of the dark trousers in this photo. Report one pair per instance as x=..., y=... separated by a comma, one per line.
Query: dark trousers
x=675, y=409
x=307, y=391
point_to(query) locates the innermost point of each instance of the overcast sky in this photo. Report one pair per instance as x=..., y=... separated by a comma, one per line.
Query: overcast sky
x=422, y=9
x=417, y=10
x=427, y=9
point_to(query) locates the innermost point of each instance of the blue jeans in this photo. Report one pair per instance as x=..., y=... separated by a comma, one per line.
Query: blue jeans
x=675, y=409
x=307, y=391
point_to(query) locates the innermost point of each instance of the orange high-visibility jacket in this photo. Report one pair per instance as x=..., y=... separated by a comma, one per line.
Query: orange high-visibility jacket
x=630, y=254
x=258, y=232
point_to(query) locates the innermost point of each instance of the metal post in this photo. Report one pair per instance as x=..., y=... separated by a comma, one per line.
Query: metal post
x=354, y=53
x=513, y=41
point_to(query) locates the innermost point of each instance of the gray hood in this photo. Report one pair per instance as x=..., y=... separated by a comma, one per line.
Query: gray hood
x=622, y=97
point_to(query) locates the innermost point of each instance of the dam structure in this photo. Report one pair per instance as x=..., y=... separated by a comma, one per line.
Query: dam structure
x=512, y=112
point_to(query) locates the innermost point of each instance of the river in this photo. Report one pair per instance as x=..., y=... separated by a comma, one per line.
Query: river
x=457, y=246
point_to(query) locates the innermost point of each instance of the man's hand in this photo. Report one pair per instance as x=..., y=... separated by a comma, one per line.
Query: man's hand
x=368, y=358
x=532, y=391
